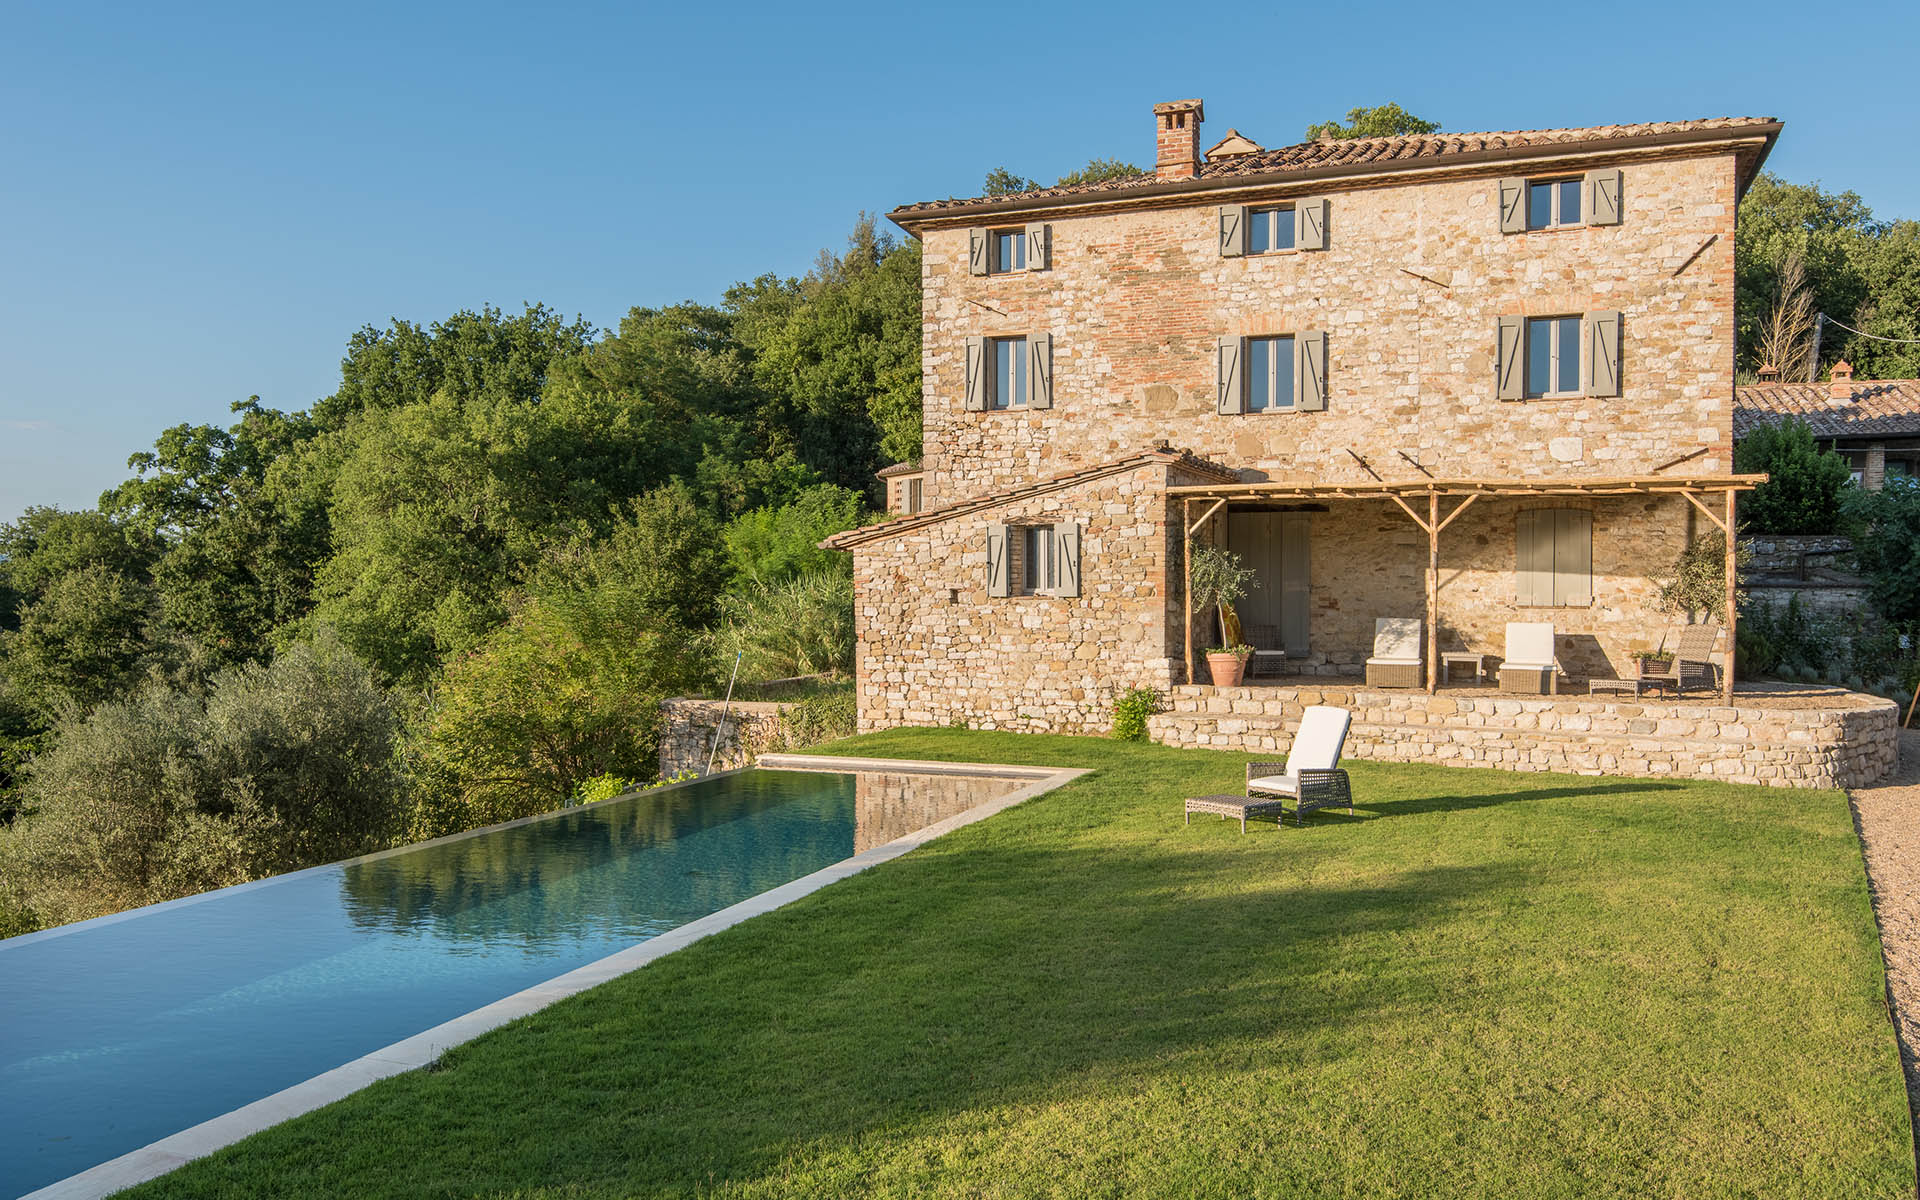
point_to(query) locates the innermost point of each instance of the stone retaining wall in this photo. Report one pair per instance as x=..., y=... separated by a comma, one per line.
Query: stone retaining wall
x=1852, y=742
x=753, y=728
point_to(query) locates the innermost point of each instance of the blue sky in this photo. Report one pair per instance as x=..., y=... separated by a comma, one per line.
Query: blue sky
x=199, y=203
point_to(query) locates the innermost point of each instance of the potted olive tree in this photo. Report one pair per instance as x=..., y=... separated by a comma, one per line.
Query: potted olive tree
x=1216, y=580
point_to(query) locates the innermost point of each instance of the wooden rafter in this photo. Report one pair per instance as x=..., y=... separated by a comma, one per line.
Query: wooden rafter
x=1707, y=512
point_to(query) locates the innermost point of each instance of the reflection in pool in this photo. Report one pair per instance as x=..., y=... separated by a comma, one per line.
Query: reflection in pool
x=117, y=1032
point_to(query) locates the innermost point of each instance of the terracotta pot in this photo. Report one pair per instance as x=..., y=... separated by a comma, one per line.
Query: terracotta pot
x=1227, y=669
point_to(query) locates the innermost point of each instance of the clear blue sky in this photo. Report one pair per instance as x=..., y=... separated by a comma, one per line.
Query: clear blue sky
x=201, y=202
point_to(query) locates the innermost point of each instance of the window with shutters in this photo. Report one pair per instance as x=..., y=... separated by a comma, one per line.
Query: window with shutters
x=1007, y=380
x=1270, y=229
x=1553, y=548
x=1007, y=251
x=1552, y=203
x=1553, y=356
x=1269, y=373
x=915, y=495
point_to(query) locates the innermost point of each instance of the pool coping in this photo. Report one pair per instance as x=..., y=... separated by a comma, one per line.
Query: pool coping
x=177, y=1149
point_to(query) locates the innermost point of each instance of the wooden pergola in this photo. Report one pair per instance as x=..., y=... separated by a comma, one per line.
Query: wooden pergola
x=1415, y=496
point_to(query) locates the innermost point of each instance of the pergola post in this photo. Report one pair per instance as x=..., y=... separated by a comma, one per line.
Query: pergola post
x=1733, y=616
x=1186, y=580
x=1433, y=591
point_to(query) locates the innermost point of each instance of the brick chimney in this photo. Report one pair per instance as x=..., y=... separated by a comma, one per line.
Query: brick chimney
x=1841, y=386
x=1769, y=373
x=1177, y=135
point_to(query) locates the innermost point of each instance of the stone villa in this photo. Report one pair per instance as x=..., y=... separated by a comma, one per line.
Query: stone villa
x=1477, y=377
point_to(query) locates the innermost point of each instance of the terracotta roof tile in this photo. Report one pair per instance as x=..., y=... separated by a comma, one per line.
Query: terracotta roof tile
x=910, y=467
x=1183, y=459
x=1875, y=408
x=1361, y=152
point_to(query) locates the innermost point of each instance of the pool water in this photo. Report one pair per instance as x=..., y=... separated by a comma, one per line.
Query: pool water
x=120, y=1031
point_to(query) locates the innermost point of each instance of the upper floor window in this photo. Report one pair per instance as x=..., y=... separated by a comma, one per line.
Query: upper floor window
x=1533, y=204
x=1269, y=374
x=1007, y=385
x=1552, y=203
x=1008, y=251
x=1270, y=229
x=1553, y=356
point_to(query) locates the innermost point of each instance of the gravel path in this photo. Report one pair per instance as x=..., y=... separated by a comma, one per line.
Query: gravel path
x=1888, y=818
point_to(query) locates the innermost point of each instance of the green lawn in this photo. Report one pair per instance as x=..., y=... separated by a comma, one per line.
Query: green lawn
x=1484, y=984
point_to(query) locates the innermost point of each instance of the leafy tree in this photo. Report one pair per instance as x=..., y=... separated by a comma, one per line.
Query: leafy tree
x=661, y=557
x=1885, y=526
x=770, y=544
x=1802, y=492
x=1383, y=120
x=1697, y=582
x=567, y=691
x=1859, y=271
x=838, y=355
x=469, y=356
x=1002, y=182
x=167, y=793
x=1099, y=170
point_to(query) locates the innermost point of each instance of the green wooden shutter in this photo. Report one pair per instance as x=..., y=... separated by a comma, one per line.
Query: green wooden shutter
x=1310, y=371
x=1040, y=370
x=999, y=560
x=977, y=260
x=1601, y=353
x=1039, y=247
x=1513, y=206
x=1229, y=394
x=976, y=374
x=1572, y=556
x=1296, y=581
x=1233, y=230
x=1310, y=228
x=1510, y=362
x=1603, y=197
x=1066, y=558
x=1533, y=558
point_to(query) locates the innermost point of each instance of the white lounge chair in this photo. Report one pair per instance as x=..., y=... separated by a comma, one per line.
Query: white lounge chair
x=1396, y=660
x=1530, y=665
x=1311, y=774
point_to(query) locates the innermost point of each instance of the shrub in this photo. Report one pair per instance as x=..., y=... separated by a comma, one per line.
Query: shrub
x=800, y=626
x=567, y=691
x=768, y=545
x=1885, y=526
x=824, y=717
x=1699, y=578
x=167, y=793
x=1130, y=712
x=602, y=787
x=1802, y=493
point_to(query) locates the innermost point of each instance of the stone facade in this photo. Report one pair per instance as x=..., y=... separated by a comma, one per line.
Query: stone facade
x=1408, y=292
x=1845, y=740
x=934, y=648
x=1132, y=289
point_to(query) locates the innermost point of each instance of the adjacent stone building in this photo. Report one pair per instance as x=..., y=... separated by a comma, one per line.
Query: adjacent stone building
x=1487, y=377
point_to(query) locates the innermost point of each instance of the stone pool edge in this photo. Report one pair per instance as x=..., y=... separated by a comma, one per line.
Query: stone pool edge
x=176, y=1150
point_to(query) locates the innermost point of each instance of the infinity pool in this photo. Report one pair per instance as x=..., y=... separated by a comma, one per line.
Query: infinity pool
x=120, y=1031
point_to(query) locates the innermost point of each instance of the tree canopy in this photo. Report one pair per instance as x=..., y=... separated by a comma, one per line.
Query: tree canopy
x=1382, y=120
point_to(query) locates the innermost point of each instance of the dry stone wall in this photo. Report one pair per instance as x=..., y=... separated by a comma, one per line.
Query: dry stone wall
x=751, y=728
x=1408, y=292
x=1851, y=740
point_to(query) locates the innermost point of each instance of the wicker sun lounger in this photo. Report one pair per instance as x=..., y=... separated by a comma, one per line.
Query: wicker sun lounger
x=1310, y=776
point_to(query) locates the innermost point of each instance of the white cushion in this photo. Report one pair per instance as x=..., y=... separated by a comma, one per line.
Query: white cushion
x=1285, y=784
x=1530, y=645
x=1393, y=662
x=1323, y=734
x=1397, y=639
